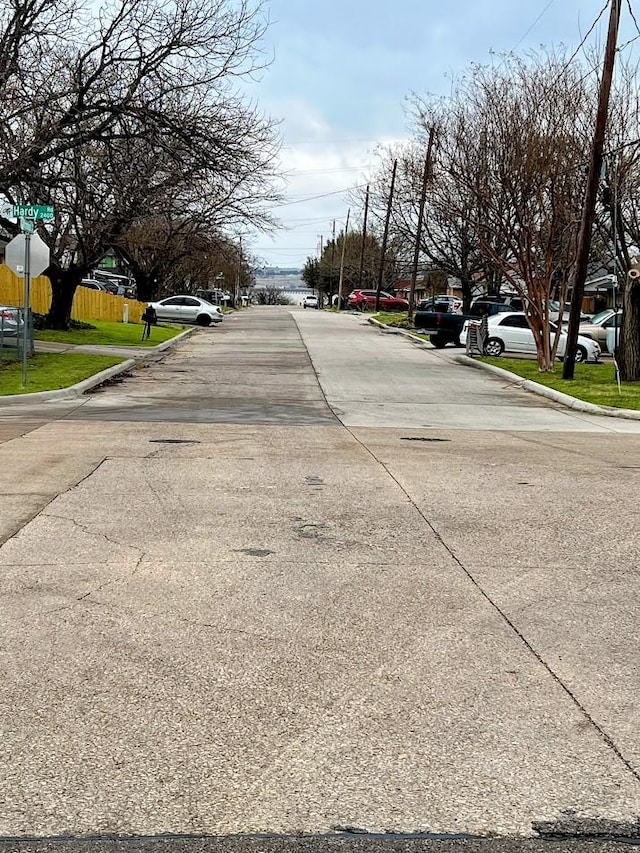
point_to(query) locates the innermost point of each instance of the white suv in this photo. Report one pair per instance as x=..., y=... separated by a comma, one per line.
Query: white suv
x=310, y=301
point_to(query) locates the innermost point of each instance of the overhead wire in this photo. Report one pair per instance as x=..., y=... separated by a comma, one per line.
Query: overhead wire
x=321, y=195
x=582, y=44
x=633, y=17
x=533, y=25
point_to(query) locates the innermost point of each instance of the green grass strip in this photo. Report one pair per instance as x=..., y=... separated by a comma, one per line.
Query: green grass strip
x=51, y=371
x=593, y=383
x=393, y=318
x=111, y=334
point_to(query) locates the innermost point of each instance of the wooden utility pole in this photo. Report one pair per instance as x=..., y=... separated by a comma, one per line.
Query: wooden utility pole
x=591, y=192
x=364, y=237
x=333, y=252
x=319, y=268
x=385, y=237
x=423, y=198
x=344, y=246
x=238, y=275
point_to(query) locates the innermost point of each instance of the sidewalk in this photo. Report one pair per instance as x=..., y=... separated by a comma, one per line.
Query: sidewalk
x=133, y=356
x=526, y=384
x=97, y=349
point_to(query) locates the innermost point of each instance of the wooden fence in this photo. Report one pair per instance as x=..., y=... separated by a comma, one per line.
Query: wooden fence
x=87, y=304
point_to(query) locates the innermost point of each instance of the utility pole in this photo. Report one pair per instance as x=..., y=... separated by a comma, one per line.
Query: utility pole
x=319, y=267
x=386, y=235
x=423, y=198
x=344, y=246
x=333, y=252
x=238, y=273
x=589, y=205
x=364, y=237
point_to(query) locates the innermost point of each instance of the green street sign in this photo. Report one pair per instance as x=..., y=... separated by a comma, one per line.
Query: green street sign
x=33, y=211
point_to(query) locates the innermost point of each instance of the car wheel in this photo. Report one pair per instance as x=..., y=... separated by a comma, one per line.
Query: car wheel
x=581, y=354
x=494, y=347
x=439, y=341
x=203, y=320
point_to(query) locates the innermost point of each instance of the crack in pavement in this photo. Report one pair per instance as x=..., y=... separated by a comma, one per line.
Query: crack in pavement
x=85, y=529
x=605, y=736
x=104, y=585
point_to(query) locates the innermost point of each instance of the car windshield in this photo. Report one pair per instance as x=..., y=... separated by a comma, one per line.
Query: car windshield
x=600, y=316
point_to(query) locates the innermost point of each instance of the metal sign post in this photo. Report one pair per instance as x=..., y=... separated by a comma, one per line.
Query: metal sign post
x=27, y=303
x=25, y=255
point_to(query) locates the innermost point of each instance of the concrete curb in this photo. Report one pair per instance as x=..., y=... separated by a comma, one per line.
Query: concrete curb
x=526, y=384
x=391, y=330
x=80, y=388
x=551, y=394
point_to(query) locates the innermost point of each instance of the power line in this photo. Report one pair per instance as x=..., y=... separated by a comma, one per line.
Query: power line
x=582, y=42
x=331, y=141
x=322, y=195
x=635, y=20
x=627, y=43
x=295, y=172
x=533, y=25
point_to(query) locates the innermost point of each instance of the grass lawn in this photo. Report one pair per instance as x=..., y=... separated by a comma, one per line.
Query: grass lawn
x=393, y=318
x=51, y=371
x=112, y=334
x=593, y=383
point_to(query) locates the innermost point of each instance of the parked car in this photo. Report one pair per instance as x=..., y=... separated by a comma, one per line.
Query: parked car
x=188, y=309
x=441, y=303
x=481, y=306
x=10, y=321
x=511, y=333
x=444, y=326
x=215, y=295
x=554, y=313
x=92, y=284
x=363, y=299
x=600, y=324
x=310, y=301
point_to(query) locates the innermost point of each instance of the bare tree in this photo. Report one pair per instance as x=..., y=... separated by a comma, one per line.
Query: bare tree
x=516, y=143
x=617, y=240
x=323, y=272
x=134, y=114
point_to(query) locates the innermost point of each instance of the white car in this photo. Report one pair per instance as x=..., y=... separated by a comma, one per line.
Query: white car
x=10, y=321
x=310, y=301
x=188, y=309
x=511, y=333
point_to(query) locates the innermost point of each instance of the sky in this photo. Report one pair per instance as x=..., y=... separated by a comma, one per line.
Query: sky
x=341, y=74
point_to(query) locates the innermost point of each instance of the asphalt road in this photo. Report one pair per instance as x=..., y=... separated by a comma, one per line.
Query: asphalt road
x=299, y=578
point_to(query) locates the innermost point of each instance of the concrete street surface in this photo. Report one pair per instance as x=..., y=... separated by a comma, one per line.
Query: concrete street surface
x=298, y=577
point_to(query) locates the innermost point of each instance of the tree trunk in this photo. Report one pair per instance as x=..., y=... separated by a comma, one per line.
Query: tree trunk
x=63, y=288
x=628, y=353
x=467, y=293
x=146, y=285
